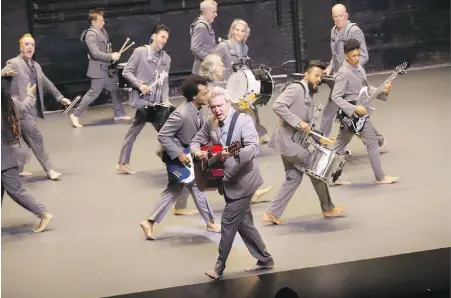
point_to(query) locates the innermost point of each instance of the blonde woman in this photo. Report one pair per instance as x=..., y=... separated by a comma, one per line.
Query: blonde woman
x=233, y=50
x=212, y=68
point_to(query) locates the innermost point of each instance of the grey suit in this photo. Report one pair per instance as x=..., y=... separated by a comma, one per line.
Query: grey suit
x=174, y=137
x=337, y=39
x=293, y=105
x=31, y=73
x=97, y=42
x=141, y=68
x=349, y=80
x=11, y=181
x=203, y=41
x=241, y=179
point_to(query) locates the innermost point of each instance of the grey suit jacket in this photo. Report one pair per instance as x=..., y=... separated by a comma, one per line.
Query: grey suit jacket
x=349, y=80
x=337, y=39
x=140, y=69
x=9, y=146
x=203, y=42
x=227, y=51
x=292, y=105
x=99, y=56
x=181, y=126
x=241, y=174
x=19, y=82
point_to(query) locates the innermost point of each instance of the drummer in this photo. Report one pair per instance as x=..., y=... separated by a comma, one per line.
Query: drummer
x=233, y=50
x=213, y=69
x=141, y=71
x=294, y=107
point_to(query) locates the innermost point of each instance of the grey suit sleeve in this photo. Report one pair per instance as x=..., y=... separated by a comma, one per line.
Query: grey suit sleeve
x=93, y=47
x=130, y=67
x=8, y=67
x=357, y=33
x=167, y=134
x=284, y=101
x=49, y=87
x=25, y=105
x=200, y=32
x=165, y=92
x=202, y=137
x=338, y=94
x=249, y=138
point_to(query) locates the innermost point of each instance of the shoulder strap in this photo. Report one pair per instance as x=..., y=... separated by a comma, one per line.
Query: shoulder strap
x=232, y=127
x=347, y=29
x=294, y=82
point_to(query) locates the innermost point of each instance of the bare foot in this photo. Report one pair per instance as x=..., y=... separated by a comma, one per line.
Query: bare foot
x=213, y=227
x=147, y=229
x=124, y=169
x=272, y=219
x=45, y=220
x=387, y=180
x=25, y=174
x=259, y=193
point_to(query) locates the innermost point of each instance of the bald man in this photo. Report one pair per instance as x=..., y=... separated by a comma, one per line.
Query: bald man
x=23, y=70
x=203, y=40
x=342, y=31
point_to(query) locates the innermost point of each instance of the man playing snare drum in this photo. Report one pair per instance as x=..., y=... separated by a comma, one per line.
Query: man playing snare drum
x=295, y=108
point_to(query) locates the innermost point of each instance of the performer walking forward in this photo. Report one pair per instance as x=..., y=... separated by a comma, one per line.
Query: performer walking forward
x=102, y=77
x=350, y=79
x=295, y=108
x=11, y=134
x=23, y=70
x=141, y=71
x=203, y=40
x=174, y=137
x=213, y=69
x=233, y=50
x=342, y=31
x=241, y=179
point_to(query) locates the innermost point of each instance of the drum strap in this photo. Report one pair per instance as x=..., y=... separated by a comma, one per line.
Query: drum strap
x=232, y=127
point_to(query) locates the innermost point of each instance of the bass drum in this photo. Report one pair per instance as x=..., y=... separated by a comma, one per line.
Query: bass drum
x=245, y=81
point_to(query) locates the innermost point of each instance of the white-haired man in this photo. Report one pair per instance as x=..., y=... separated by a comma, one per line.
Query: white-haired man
x=241, y=178
x=203, y=40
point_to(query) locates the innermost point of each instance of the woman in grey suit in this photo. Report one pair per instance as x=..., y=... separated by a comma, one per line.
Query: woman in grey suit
x=11, y=136
x=213, y=69
x=233, y=50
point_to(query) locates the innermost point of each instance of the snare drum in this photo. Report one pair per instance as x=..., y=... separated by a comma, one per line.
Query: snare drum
x=245, y=81
x=325, y=165
x=123, y=83
x=158, y=113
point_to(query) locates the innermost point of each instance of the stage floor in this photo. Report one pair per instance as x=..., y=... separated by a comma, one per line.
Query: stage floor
x=95, y=246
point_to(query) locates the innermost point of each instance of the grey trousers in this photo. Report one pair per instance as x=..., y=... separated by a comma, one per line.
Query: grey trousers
x=293, y=178
x=329, y=113
x=34, y=139
x=369, y=139
x=97, y=85
x=126, y=151
x=172, y=192
x=261, y=130
x=13, y=185
x=237, y=217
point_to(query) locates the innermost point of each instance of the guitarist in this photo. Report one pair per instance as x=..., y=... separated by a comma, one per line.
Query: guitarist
x=295, y=109
x=342, y=31
x=350, y=78
x=241, y=178
x=174, y=137
x=100, y=58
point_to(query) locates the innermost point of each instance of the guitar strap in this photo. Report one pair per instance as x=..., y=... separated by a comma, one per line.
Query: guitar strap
x=232, y=127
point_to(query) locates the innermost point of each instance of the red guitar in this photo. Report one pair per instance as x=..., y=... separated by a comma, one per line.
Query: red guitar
x=209, y=173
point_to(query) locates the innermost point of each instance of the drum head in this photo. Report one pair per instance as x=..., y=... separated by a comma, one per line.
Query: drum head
x=237, y=86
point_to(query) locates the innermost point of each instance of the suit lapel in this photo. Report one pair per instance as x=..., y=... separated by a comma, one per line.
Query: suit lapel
x=25, y=65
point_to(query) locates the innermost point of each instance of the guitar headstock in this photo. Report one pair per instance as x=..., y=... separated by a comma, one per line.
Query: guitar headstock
x=234, y=147
x=401, y=68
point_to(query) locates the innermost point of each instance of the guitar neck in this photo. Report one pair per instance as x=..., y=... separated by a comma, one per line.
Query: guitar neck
x=212, y=160
x=380, y=88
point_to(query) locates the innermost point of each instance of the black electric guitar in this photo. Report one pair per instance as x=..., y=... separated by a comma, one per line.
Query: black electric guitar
x=355, y=123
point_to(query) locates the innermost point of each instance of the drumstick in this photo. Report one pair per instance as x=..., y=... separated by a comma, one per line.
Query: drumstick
x=71, y=105
x=125, y=43
x=322, y=137
x=120, y=52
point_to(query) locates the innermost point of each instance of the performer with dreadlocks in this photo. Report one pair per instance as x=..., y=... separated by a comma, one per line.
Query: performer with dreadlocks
x=11, y=135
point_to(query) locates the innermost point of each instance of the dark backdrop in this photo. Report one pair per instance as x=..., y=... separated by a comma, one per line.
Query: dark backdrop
x=395, y=30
